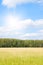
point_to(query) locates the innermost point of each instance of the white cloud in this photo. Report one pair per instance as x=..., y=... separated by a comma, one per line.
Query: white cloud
x=32, y=36
x=39, y=22
x=14, y=23
x=41, y=31
x=14, y=27
x=11, y=3
x=30, y=22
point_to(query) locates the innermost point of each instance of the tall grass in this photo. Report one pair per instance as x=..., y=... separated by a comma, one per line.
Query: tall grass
x=21, y=56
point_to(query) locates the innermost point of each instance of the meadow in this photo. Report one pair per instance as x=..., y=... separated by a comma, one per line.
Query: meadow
x=21, y=56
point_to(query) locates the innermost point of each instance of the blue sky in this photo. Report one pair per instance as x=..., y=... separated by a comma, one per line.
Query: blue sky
x=21, y=19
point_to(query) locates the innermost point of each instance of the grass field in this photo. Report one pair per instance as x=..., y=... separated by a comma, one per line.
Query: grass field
x=21, y=56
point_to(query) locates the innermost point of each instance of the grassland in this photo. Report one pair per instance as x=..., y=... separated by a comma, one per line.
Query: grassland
x=21, y=56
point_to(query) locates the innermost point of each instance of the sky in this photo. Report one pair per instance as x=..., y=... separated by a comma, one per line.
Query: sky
x=21, y=19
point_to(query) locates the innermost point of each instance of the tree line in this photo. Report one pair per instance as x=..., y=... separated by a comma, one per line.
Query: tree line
x=20, y=43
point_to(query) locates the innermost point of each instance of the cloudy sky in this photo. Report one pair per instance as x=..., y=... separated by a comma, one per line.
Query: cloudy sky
x=21, y=19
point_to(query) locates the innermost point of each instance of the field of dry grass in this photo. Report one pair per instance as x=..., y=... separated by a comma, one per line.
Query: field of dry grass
x=21, y=56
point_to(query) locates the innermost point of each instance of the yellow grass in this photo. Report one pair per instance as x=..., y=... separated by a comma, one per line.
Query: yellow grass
x=21, y=56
